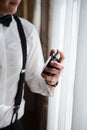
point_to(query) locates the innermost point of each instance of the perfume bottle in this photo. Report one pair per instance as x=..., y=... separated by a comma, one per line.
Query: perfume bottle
x=53, y=57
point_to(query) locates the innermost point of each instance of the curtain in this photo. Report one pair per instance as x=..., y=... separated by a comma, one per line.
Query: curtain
x=63, y=34
x=79, y=118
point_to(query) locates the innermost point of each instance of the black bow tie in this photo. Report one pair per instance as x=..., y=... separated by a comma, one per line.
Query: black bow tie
x=6, y=20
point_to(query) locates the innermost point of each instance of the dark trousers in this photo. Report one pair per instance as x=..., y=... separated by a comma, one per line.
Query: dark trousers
x=15, y=126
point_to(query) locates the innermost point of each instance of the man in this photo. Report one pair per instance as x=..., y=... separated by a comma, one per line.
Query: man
x=11, y=64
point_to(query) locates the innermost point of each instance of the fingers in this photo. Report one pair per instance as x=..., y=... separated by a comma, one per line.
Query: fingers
x=52, y=51
x=51, y=79
x=55, y=72
x=57, y=65
x=57, y=68
x=61, y=56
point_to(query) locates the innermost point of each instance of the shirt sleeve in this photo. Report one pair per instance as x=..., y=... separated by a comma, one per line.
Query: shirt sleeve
x=34, y=65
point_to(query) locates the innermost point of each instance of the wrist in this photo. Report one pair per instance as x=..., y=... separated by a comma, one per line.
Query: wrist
x=52, y=85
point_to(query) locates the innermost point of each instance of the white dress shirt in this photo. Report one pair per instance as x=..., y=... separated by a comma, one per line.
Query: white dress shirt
x=11, y=64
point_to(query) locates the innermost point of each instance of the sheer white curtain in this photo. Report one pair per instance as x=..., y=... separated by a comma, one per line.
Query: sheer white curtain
x=79, y=120
x=63, y=34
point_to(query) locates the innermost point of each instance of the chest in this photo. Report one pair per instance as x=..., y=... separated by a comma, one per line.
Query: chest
x=13, y=51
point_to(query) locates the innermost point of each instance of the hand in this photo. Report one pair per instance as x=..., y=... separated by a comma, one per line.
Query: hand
x=55, y=71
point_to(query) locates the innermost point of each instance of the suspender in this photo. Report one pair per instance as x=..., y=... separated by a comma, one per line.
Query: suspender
x=22, y=73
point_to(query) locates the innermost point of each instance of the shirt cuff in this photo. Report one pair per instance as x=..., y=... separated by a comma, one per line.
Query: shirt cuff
x=51, y=90
x=42, y=88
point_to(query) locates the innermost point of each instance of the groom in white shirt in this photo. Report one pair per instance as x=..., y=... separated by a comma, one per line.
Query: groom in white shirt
x=11, y=64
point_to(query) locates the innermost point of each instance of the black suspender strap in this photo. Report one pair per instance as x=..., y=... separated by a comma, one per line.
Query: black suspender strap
x=22, y=73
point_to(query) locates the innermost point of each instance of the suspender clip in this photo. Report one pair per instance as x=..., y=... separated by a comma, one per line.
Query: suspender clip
x=23, y=71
